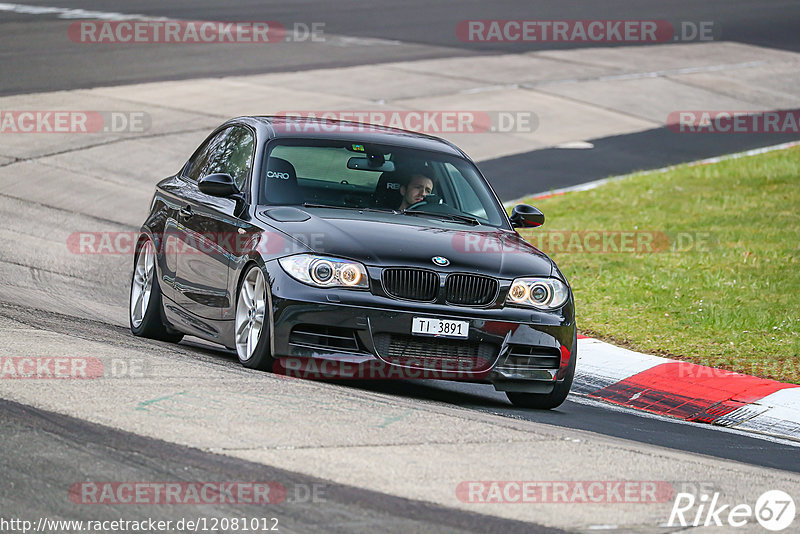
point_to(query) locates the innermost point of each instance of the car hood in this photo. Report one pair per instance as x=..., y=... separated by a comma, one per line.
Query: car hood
x=400, y=240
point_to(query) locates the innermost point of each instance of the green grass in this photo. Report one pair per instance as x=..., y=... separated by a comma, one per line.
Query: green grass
x=733, y=302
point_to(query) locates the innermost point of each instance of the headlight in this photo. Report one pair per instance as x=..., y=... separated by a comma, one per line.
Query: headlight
x=322, y=271
x=542, y=293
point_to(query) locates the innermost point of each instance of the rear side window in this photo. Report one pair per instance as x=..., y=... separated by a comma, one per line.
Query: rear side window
x=230, y=152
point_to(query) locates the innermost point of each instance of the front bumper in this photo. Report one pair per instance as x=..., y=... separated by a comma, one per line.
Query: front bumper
x=512, y=348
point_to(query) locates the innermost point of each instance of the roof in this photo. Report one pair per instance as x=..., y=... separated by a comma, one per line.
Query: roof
x=318, y=128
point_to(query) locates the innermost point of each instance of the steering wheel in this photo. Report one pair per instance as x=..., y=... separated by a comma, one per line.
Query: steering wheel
x=432, y=206
x=429, y=199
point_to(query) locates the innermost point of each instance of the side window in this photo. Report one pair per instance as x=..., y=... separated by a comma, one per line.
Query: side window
x=230, y=152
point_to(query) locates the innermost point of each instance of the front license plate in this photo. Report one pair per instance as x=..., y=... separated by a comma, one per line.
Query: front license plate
x=421, y=326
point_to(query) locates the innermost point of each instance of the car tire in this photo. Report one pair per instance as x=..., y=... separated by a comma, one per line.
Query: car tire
x=252, y=324
x=144, y=309
x=554, y=399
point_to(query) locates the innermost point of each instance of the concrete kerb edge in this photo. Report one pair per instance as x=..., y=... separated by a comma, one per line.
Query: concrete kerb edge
x=686, y=391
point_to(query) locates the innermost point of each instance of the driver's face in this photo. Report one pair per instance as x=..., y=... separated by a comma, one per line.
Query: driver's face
x=416, y=191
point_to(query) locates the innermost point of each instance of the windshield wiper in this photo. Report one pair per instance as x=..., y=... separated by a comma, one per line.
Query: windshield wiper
x=312, y=205
x=447, y=216
x=380, y=210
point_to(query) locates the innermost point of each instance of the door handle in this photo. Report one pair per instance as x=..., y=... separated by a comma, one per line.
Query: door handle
x=186, y=212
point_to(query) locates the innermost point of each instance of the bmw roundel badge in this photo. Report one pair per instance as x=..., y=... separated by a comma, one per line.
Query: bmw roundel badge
x=441, y=261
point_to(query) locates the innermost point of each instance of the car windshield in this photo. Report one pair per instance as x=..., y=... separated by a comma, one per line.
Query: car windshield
x=371, y=177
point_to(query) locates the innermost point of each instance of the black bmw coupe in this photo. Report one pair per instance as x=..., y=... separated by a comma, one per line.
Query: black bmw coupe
x=335, y=249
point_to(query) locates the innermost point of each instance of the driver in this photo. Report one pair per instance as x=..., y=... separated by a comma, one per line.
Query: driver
x=415, y=191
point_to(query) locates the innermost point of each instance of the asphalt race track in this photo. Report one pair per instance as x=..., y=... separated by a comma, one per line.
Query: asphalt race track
x=36, y=60
x=63, y=440
x=556, y=168
x=387, y=456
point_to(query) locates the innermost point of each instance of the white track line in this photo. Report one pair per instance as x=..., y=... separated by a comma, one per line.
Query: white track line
x=71, y=13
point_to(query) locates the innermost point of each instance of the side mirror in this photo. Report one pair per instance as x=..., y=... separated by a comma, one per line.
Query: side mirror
x=222, y=185
x=524, y=216
x=218, y=185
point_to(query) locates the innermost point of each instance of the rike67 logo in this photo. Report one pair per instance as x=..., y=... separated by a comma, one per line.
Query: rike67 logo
x=774, y=510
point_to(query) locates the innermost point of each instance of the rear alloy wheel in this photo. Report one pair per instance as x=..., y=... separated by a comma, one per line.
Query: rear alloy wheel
x=252, y=322
x=145, y=301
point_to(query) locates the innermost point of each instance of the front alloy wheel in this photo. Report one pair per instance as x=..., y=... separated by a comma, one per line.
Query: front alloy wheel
x=554, y=399
x=252, y=324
